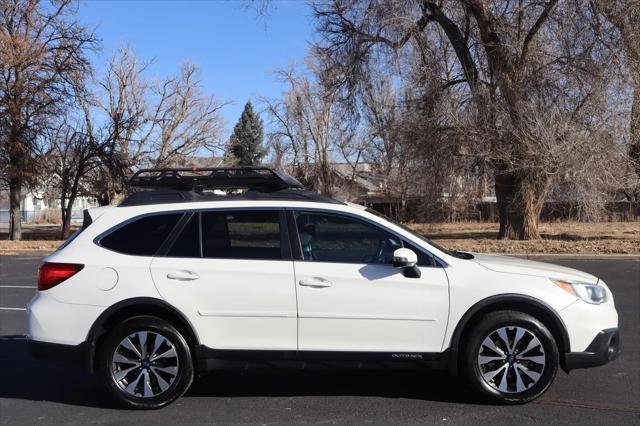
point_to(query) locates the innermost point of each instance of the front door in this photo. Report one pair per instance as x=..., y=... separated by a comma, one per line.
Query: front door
x=351, y=298
x=236, y=283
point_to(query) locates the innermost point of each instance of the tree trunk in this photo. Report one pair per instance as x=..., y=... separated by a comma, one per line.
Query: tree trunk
x=634, y=142
x=525, y=222
x=66, y=218
x=15, y=219
x=520, y=198
x=530, y=193
x=504, y=198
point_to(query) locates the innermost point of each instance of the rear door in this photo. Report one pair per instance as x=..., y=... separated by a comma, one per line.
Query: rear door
x=351, y=298
x=231, y=273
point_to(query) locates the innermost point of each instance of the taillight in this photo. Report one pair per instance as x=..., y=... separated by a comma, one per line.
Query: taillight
x=52, y=274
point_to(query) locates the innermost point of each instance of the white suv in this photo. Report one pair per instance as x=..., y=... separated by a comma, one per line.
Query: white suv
x=194, y=270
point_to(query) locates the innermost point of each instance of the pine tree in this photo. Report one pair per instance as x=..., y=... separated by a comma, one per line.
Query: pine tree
x=246, y=140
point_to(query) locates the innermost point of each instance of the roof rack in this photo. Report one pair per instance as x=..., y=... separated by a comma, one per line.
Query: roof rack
x=173, y=196
x=162, y=186
x=224, y=178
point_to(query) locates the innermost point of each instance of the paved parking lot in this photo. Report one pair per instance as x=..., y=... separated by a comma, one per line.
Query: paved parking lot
x=47, y=393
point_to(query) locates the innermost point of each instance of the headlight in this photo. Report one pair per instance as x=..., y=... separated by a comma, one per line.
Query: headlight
x=590, y=293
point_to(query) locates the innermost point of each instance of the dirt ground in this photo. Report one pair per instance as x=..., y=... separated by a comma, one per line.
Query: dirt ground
x=557, y=238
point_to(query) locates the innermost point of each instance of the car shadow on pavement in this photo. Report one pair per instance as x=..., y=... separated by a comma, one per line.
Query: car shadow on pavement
x=38, y=380
x=321, y=380
x=27, y=378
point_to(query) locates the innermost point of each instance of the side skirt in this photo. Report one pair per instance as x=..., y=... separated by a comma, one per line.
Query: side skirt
x=213, y=359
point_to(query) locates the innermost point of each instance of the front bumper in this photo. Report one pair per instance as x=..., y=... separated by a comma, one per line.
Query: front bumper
x=603, y=349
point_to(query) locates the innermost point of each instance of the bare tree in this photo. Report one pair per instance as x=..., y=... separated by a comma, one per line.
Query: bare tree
x=138, y=123
x=310, y=122
x=512, y=61
x=41, y=47
x=625, y=16
x=72, y=156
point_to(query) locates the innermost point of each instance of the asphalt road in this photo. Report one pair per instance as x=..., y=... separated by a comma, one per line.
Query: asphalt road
x=36, y=392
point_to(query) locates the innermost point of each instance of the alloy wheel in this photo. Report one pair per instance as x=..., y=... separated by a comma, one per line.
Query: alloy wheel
x=145, y=364
x=511, y=359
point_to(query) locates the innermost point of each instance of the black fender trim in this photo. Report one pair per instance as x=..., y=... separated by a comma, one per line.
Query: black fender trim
x=504, y=300
x=98, y=328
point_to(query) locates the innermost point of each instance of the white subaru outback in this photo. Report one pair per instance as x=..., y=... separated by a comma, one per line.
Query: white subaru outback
x=242, y=264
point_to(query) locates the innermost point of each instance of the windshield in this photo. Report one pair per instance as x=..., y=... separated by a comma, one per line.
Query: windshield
x=453, y=253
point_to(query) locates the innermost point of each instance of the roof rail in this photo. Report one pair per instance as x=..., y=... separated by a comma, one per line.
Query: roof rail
x=200, y=179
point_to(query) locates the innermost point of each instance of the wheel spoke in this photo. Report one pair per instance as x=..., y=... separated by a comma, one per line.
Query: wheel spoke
x=142, y=337
x=127, y=343
x=533, y=375
x=119, y=375
x=484, y=359
x=538, y=359
x=123, y=359
x=503, y=336
x=147, y=385
x=534, y=343
x=158, y=342
x=131, y=387
x=504, y=385
x=169, y=353
x=169, y=370
x=519, y=383
x=161, y=381
x=491, y=345
x=491, y=374
x=519, y=333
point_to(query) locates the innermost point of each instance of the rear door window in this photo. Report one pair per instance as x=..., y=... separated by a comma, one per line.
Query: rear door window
x=187, y=244
x=246, y=234
x=142, y=237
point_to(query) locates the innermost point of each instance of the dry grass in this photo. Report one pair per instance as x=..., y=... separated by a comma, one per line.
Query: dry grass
x=557, y=237
x=28, y=246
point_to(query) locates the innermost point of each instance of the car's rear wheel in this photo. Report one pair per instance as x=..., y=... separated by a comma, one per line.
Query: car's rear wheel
x=510, y=357
x=146, y=363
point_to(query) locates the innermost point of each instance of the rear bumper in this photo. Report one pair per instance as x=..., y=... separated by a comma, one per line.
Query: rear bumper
x=603, y=349
x=70, y=354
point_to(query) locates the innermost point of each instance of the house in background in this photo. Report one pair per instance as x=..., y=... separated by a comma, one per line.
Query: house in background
x=38, y=207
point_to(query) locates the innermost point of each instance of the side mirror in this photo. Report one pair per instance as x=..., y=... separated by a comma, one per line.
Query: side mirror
x=403, y=257
x=408, y=261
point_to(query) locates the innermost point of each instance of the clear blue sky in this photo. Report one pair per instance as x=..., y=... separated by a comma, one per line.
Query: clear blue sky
x=236, y=50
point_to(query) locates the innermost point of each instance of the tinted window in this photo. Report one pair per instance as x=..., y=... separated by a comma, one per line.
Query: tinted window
x=334, y=238
x=250, y=234
x=142, y=236
x=188, y=242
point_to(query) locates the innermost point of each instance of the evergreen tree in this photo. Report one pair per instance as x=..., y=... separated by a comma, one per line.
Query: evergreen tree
x=246, y=139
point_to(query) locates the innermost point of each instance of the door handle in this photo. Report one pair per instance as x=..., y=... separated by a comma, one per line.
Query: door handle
x=183, y=276
x=315, y=282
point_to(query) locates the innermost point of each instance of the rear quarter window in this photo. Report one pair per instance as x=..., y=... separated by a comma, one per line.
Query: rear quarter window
x=141, y=237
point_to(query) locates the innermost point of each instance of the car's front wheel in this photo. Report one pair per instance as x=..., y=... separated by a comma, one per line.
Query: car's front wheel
x=510, y=357
x=146, y=363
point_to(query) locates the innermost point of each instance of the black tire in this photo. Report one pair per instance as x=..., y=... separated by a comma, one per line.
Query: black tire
x=165, y=379
x=525, y=379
